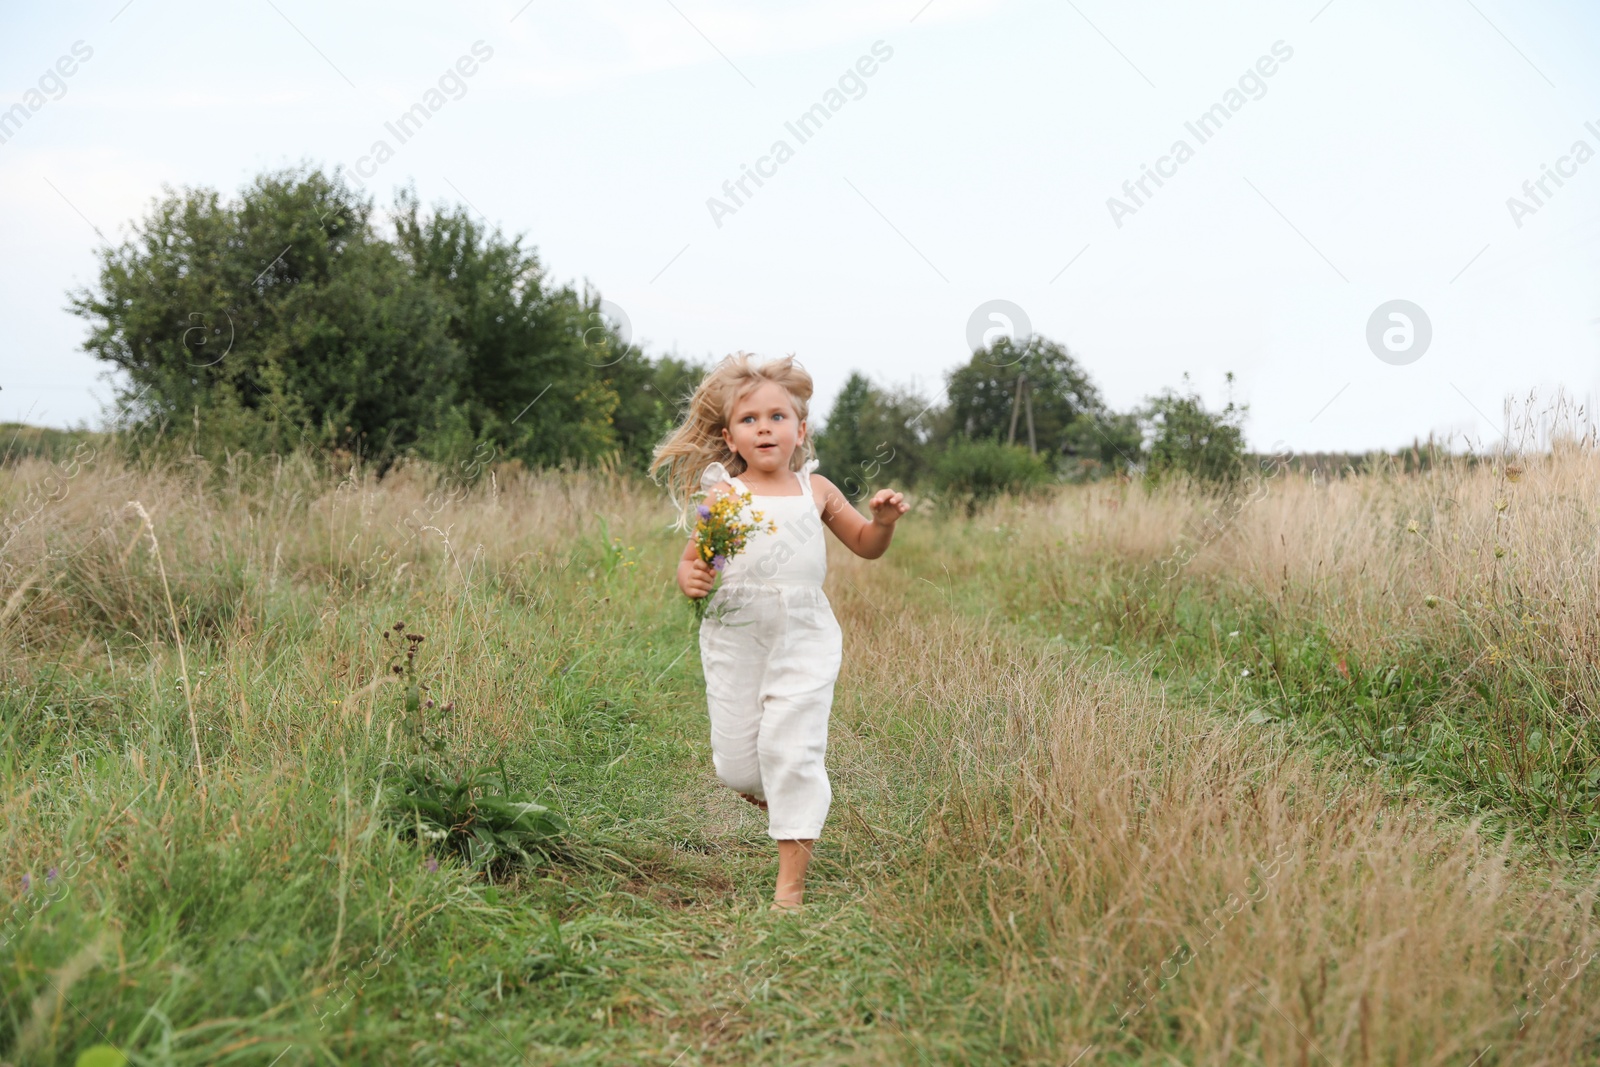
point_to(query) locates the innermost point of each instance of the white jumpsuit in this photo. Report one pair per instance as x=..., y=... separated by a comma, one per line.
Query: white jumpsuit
x=770, y=647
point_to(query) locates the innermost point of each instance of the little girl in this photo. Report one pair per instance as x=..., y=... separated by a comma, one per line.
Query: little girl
x=769, y=643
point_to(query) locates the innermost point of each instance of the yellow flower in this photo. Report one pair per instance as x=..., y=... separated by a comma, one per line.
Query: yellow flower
x=722, y=532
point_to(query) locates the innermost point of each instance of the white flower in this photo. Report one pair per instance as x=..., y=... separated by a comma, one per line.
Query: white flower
x=1244, y=674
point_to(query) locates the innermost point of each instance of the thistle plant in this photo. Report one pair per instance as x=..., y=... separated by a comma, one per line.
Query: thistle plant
x=423, y=734
x=455, y=809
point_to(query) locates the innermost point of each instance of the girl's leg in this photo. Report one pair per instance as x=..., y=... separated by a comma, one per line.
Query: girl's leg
x=797, y=695
x=762, y=804
x=733, y=658
x=792, y=745
x=793, y=858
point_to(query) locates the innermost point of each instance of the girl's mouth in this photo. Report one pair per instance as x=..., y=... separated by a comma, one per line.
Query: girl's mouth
x=769, y=444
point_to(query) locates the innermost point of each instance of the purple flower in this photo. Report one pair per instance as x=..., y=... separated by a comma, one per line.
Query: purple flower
x=432, y=865
x=27, y=882
x=50, y=875
x=719, y=562
x=705, y=512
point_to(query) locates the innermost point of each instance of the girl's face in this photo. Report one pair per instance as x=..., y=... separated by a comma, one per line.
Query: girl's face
x=764, y=429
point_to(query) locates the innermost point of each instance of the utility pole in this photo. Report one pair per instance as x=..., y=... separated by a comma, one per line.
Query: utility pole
x=1023, y=387
x=1033, y=445
x=1016, y=405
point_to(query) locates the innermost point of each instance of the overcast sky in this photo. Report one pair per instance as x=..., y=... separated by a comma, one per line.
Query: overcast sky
x=977, y=161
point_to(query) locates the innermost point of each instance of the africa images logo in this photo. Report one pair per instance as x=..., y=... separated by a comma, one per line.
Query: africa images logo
x=1399, y=332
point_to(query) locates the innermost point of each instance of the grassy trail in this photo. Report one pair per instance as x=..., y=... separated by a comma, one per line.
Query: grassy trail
x=1032, y=857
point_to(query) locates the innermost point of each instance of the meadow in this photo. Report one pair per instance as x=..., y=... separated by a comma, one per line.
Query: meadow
x=1121, y=775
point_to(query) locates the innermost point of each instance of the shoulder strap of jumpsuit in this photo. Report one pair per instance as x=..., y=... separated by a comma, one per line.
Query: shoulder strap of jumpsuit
x=804, y=474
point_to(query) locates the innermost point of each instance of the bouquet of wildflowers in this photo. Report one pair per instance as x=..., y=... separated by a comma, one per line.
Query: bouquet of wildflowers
x=720, y=531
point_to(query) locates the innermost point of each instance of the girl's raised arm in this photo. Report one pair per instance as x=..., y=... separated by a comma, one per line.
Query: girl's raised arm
x=867, y=538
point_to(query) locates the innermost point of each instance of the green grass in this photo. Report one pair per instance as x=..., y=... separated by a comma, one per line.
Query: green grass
x=261, y=917
x=1500, y=737
x=269, y=914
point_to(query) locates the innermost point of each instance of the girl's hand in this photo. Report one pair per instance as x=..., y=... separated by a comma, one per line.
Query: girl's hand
x=887, y=506
x=695, y=578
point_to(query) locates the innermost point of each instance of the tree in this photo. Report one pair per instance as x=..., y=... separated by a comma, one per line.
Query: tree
x=280, y=314
x=653, y=396
x=537, y=360
x=282, y=319
x=1187, y=439
x=1036, y=395
x=874, y=437
x=840, y=442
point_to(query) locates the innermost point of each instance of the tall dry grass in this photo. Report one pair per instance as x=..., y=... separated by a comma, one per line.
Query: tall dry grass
x=72, y=563
x=1510, y=538
x=1445, y=623
x=1058, y=857
x=240, y=890
x=1101, y=868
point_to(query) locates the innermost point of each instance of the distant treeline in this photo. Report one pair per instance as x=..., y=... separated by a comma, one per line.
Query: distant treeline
x=285, y=319
x=1420, y=455
x=19, y=441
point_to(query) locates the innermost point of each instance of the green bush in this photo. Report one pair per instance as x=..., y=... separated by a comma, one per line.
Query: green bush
x=974, y=472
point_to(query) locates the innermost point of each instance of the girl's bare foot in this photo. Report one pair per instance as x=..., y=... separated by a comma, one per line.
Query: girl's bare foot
x=762, y=804
x=793, y=858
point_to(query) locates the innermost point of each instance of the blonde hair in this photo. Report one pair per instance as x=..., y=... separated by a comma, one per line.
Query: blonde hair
x=692, y=447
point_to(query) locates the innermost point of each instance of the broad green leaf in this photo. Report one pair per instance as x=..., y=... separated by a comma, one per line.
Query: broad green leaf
x=101, y=1056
